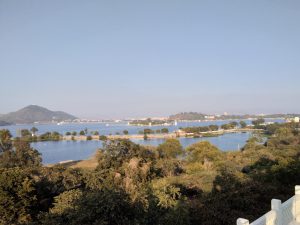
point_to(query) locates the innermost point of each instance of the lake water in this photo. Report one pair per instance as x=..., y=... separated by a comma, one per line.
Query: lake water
x=54, y=152
x=111, y=128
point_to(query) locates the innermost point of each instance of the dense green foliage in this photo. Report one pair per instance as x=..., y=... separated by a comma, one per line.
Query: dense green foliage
x=141, y=185
x=210, y=128
x=148, y=122
x=188, y=116
x=158, y=131
x=200, y=129
x=89, y=138
x=229, y=126
x=102, y=138
x=258, y=123
x=17, y=153
x=30, y=135
x=243, y=124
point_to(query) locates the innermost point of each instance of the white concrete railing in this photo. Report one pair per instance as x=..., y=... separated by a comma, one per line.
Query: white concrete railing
x=287, y=213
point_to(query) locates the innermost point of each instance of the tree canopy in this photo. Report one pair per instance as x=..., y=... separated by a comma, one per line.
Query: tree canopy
x=144, y=185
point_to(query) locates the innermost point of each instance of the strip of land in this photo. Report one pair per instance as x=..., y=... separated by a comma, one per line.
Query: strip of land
x=175, y=134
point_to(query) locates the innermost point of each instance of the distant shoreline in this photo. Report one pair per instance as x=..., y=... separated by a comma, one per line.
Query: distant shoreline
x=126, y=121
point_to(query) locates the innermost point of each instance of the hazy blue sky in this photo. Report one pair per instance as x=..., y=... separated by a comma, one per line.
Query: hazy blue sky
x=107, y=59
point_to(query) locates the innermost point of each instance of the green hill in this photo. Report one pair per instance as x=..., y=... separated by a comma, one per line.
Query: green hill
x=34, y=113
x=188, y=116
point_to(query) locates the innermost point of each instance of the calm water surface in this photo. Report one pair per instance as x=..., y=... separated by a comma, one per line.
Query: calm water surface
x=110, y=128
x=54, y=152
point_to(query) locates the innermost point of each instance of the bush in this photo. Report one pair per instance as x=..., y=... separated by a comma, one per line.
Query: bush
x=18, y=200
x=164, y=130
x=89, y=138
x=102, y=138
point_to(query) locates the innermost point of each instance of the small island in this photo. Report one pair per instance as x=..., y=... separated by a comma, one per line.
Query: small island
x=152, y=122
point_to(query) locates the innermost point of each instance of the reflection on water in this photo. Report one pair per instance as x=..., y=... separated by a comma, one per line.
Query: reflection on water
x=54, y=152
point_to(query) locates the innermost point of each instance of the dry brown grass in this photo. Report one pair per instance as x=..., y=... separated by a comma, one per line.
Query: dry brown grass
x=90, y=164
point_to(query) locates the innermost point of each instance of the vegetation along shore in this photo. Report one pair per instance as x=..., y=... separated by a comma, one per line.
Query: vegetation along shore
x=147, y=133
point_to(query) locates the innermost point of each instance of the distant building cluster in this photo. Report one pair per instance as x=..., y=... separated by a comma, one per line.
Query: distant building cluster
x=295, y=120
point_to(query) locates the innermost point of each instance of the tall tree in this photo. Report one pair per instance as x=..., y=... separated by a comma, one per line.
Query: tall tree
x=20, y=155
x=5, y=140
x=243, y=124
x=34, y=130
x=171, y=148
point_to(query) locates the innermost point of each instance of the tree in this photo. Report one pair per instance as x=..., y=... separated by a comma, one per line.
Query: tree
x=82, y=133
x=68, y=133
x=148, y=131
x=168, y=161
x=283, y=133
x=243, y=124
x=258, y=122
x=226, y=126
x=125, y=132
x=171, y=148
x=233, y=124
x=34, y=130
x=55, y=136
x=21, y=155
x=145, y=136
x=5, y=140
x=74, y=133
x=102, y=138
x=213, y=127
x=115, y=152
x=272, y=128
x=25, y=133
x=17, y=197
x=107, y=207
x=96, y=132
x=85, y=131
x=164, y=130
x=89, y=138
x=203, y=152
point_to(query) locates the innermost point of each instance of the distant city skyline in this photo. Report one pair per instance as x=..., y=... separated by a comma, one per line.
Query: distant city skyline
x=125, y=59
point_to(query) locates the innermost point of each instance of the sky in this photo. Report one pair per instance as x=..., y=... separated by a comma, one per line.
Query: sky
x=122, y=59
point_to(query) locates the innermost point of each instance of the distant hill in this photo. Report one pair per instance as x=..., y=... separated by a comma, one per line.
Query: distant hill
x=3, y=123
x=34, y=113
x=188, y=116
